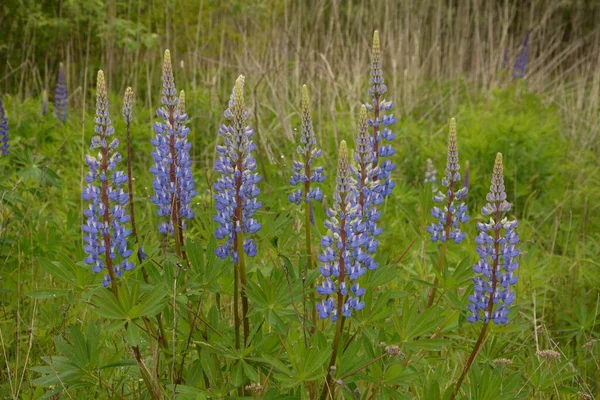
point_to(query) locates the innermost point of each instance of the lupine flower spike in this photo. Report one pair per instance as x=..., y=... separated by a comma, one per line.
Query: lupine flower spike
x=380, y=121
x=340, y=264
x=308, y=151
x=60, y=95
x=236, y=190
x=369, y=192
x=235, y=196
x=454, y=211
x=431, y=175
x=520, y=66
x=173, y=183
x=105, y=235
x=3, y=129
x=497, y=248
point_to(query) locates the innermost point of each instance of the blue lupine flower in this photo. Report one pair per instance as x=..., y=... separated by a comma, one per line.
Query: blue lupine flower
x=520, y=66
x=303, y=169
x=497, y=248
x=454, y=211
x=236, y=190
x=369, y=192
x=342, y=258
x=173, y=182
x=380, y=122
x=105, y=234
x=3, y=129
x=431, y=175
x=60, y=95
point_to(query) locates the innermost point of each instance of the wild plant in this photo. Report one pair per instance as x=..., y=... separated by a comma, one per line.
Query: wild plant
x=235, y=195
x=61, y=95
x=3, y=129
x=173, y=182
x=497, y=249
x=454, y=210
x=307, y=175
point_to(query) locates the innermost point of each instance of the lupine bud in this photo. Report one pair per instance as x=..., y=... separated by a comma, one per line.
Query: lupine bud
x=496, y=246
x=454, y=211
x=236, y=189
x=105, y=234
x=60, y=95
x=304, y=173
x=128, y=105
x=173, y=182
x=3, y=129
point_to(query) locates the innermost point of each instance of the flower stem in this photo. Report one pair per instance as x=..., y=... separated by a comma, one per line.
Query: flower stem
x=490, y=308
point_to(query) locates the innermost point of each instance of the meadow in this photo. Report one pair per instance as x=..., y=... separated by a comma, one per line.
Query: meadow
x=257, y=267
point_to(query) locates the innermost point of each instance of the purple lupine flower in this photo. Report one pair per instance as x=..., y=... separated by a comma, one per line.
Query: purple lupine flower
x=173, y=182
x=369, y=192
x=341, y=259
x=454, y=211
x=303, y=169
x=520, y=66
x=496, y=247
x=60, y=95
x=431, y=175
x=105, y=234
x=380, y=122
x=236, y=189
x=3, y=129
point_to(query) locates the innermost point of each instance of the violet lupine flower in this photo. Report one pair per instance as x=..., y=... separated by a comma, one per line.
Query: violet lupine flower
x=341, y=258
x=60, y=95
x=431, y=175
x=380, y=121
x=454, y=211
x=496, y=246
x=520, y=66
x=105, y=234
x=3, y=129
x=303, y=172
x=369, y=192
x=173, y=182
x=236, y=190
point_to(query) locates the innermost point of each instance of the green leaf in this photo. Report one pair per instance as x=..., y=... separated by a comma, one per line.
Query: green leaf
x=151, y=304
x=61, y=271
x=108, y=306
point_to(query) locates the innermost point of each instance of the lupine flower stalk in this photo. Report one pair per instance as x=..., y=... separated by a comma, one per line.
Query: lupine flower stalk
x=306, y=174
x=173, y=183
x=3, y=129
x=105, y=234
x=235, y=197
x=339, y=263
x=431, y=175
x=369, y=195
x=520, y=66
x=497, y=249
x=60, y=95
x=380, y=121
x=454, y=212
